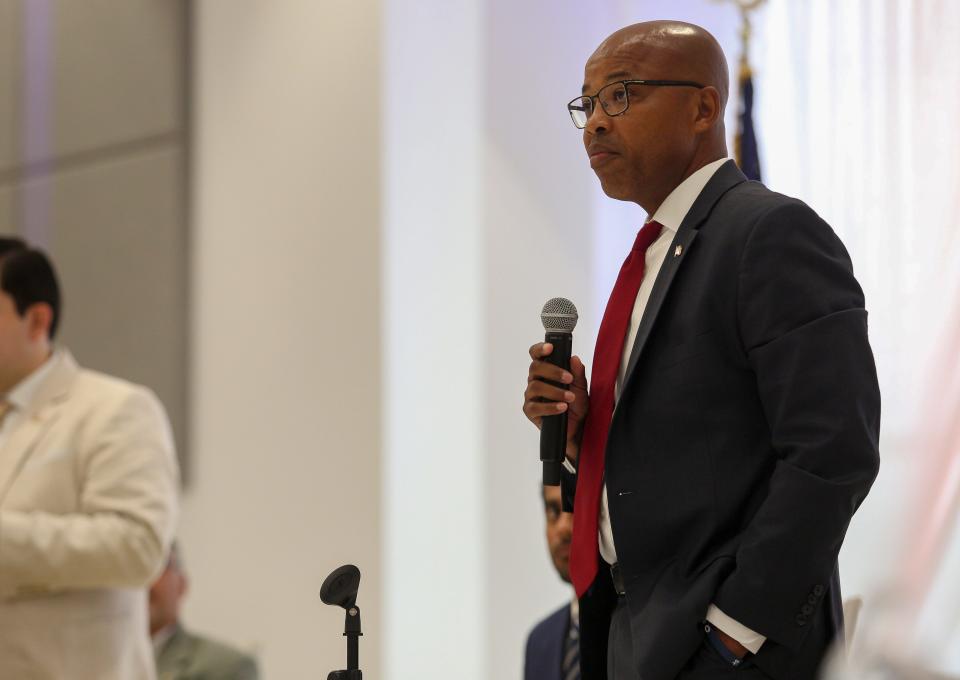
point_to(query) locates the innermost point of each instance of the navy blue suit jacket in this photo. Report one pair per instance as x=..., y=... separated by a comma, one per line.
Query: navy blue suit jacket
x=745, y=438
x=544, y=653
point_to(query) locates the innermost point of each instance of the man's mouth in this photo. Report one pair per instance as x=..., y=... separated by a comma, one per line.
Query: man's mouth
x=601, y=156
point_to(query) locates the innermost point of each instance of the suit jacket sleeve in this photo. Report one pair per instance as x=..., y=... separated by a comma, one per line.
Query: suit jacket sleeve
x=804, y=330
x=125, y=522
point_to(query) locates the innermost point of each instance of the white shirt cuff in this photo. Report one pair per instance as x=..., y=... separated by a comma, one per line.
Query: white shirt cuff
x=750, y=639
x=568, y=466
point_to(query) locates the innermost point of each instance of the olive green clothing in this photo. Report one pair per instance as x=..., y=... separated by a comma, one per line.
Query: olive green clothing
x=186, y=656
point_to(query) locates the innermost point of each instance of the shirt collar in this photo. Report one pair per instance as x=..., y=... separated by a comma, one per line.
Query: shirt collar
x=23, y=392
x=676, y=206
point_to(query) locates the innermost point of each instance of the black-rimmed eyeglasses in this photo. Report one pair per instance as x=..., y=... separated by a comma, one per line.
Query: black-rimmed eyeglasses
x=615, y=99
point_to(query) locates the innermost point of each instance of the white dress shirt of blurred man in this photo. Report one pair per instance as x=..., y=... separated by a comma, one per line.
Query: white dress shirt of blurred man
x=180, y=654
x=88, y=496
x=553, y=646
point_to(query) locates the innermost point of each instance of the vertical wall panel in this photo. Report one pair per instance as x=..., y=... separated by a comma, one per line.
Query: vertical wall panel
x=92, y=158
x=122, y=264
x=435, y=421
x=286, y=368
x=7, y=225
x=9, y=76
x=116, y=72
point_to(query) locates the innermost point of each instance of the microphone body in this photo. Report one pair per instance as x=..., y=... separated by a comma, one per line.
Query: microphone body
x=559, y=318
x=553, y=429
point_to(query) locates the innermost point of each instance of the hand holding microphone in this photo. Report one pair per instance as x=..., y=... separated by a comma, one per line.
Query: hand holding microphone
x=556, y=398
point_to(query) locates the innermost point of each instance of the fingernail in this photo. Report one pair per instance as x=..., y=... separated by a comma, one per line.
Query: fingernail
x=566, y=377
x=568, y=396
x=561, y=406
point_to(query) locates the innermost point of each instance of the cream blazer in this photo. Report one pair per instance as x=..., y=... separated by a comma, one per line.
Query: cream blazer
x=88, y=502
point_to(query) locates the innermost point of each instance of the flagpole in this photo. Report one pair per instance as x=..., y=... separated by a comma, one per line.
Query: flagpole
x=746, y=29
x=746, y=7
x=745, y=79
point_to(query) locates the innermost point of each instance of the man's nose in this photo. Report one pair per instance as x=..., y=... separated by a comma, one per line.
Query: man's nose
x=598, y=121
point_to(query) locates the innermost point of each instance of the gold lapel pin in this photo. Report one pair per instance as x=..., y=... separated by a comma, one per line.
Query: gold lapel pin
x=678, y=251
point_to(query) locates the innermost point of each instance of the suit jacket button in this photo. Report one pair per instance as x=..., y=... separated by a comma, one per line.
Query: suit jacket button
x=819, y=590
x=801, y=620
x=806, y=610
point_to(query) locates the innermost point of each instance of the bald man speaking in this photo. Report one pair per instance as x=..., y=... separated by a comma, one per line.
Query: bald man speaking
x=730, y=428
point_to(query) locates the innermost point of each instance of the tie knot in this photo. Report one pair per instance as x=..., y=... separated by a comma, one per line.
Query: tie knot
x=647, y=235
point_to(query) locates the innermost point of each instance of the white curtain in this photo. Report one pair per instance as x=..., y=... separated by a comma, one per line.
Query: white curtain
x=859, y=103
x=858, y=110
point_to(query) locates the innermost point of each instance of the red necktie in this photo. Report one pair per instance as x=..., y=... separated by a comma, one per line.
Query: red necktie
x=603, y=380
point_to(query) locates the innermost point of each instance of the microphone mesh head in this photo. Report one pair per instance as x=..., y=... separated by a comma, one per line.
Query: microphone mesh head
x=559, y=315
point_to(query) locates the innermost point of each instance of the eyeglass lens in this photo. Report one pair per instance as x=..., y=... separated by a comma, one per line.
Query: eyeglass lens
x=613, y=99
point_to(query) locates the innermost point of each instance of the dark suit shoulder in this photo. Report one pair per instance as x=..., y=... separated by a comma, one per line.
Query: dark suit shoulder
x=549, y=626
x=751, y=203
x=545, y=646
x=793, y=270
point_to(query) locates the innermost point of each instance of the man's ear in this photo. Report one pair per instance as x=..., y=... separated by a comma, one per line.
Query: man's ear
x=39, y=317
x=708, y=109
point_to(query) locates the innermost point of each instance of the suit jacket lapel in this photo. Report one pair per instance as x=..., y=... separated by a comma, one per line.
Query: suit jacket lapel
x=724, y=179
x=37, y=417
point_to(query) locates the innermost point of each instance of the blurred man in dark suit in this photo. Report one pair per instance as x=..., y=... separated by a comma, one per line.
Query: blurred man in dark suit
x=553, y=647
x=181, y=655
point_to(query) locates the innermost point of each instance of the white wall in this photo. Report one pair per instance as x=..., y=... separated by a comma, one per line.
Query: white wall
x=434, y=510
x=286, y=323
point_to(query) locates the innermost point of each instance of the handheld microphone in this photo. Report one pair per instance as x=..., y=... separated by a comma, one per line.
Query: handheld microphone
x=559, y=318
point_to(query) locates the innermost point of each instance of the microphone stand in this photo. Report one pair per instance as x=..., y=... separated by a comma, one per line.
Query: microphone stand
x=351, y=631
x=340, y=588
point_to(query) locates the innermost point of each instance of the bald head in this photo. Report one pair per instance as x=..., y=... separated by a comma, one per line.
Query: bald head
x=683, y=51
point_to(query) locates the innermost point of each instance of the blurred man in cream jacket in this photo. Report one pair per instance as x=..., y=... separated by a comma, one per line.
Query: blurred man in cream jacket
x=88, y=496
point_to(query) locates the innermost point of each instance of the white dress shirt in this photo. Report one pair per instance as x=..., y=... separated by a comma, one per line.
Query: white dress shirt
x=670, y=214
x=21, y=395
